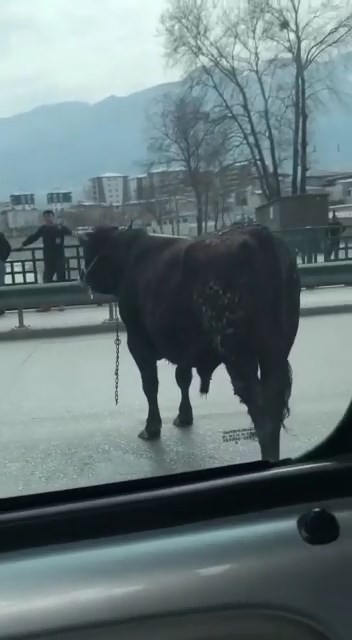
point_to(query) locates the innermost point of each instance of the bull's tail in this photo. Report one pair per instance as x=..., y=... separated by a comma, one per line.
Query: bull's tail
x=287, y=392
x=279, y=398
x=290, y=321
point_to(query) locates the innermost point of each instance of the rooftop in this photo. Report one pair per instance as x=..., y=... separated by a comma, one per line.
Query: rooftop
x=166, y=169
x=296, y=196
x=142, y=175
x=22, y=193
x=112, y=175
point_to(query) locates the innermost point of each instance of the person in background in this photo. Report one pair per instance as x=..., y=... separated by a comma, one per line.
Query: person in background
x=335, y=231
x=5, y=250
x=53, y=236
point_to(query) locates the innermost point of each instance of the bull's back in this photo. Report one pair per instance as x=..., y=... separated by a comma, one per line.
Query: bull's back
x=249, y=286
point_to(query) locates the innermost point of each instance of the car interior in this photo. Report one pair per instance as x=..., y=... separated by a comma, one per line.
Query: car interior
x=256, y=551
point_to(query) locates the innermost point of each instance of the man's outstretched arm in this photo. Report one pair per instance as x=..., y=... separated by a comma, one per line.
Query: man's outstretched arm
x=33, y=237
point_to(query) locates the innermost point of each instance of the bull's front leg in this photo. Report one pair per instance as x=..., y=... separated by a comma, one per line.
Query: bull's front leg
x=146, y=362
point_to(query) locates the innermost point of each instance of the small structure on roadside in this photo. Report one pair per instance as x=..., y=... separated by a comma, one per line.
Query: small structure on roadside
x=294, y=212
x=301, y=219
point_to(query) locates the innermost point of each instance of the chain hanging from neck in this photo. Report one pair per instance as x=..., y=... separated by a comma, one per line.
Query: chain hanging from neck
x=117, y=352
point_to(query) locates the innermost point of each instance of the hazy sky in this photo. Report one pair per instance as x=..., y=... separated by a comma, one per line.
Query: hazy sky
x=55, y=50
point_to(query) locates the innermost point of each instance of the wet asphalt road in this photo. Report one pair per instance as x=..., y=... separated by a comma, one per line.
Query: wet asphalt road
x=60, y=427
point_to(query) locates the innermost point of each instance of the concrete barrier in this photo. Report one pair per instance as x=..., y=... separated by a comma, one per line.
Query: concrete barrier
x=326, y=274
x=59, y=294
x=32, y=296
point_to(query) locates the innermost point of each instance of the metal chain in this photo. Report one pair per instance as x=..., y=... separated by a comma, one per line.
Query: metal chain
x=117, y=348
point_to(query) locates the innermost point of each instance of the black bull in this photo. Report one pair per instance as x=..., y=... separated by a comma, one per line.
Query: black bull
x=232, y=299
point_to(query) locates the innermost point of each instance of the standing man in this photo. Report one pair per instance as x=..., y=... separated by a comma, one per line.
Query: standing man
x=5, y=250
x=335, y=231
x=53, y=236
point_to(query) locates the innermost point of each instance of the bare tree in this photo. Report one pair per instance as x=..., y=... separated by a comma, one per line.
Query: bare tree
x=186, y=137
x=310, y=33
x=225, y=46
x=153, y=204
x=257, y=58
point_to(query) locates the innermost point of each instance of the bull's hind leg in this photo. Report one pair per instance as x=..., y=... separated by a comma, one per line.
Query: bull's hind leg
x=183, y=376
x=276, y=383
x=147, y=365
x=243, y=372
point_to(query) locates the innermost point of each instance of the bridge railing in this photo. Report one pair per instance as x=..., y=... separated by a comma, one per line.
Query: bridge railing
x=311, y=245
x=26, y=266
x=30, y=296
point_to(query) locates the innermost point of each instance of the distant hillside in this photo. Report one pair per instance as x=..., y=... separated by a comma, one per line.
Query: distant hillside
x=62, y=145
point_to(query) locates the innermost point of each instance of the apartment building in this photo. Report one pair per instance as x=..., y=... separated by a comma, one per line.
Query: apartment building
x=22, y=201
x=109, y=188
x=59, y=199
x=136, y=188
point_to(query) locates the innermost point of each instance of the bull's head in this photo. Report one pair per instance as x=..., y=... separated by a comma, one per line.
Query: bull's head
x=103, y=259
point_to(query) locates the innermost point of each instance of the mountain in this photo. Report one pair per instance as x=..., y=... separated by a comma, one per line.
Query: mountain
x=62, y=145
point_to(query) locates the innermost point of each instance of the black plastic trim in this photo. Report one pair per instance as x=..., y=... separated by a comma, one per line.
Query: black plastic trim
x=173, y=506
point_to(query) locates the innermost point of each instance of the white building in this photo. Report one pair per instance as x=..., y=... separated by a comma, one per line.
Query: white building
x=136, y=188
x=17, y=219
x=22, y=201
x=341, y=191
x=59, y=199
x=109, y=188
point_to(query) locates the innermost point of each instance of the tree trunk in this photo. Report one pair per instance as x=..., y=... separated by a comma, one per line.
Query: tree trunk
x=199, y=214
x=177, y=217
x=275, y=178
x=206, y=211
x=296, y=132
x=216, y=213
x=304, y=140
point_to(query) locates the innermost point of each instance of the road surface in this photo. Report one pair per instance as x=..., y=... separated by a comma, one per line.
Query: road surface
x=60, y=427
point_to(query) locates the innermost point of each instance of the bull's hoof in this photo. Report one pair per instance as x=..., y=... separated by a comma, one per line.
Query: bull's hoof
x=149, y=435
x=183, y=423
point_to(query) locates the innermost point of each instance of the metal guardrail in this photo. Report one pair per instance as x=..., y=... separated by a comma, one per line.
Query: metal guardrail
x=26, y=265
x=309, y=243
x=67, y=294
x=31, y=296
x=326, y=274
